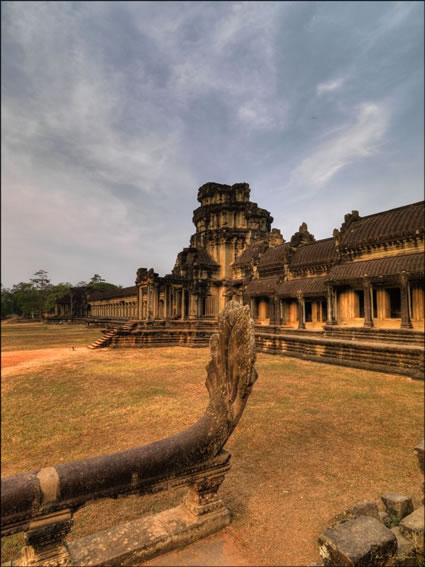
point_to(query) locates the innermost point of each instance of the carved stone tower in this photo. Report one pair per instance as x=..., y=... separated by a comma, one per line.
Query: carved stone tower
x=227, y=222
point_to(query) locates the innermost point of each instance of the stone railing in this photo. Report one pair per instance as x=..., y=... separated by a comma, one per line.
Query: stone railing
x=41, y=503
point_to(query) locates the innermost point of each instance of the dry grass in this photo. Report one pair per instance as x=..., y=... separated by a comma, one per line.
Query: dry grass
x=314, y=439
x=28, y=336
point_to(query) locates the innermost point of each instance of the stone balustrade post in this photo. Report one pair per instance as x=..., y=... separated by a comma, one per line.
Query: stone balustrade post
x=45, y=541
x=202, y=497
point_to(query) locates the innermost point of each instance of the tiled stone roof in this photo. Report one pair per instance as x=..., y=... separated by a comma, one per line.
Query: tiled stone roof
x=251, y=253
x=392, y=224
x=309, y=286
x=320, y=252
x=274, y=256
x=114, y=293
x=390, y=266
x=263, y=286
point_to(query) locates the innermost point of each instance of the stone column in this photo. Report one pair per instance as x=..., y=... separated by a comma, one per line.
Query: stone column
x=406, y=322
x=301, y=309
x=149, y=303
x=182, y=304
x=271, y=311
x=276, y=301
x=331, y=306
x=367, y=293
x=139, y=303
x=252, y=306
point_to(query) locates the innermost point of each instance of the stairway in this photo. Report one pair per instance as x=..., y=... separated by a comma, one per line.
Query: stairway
x=107, y=337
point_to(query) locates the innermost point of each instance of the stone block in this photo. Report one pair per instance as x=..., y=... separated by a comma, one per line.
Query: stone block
x=359, y=542
x=397, y=505
x=406, y=554
x=412, y=528
x=385, y=519
x=365, y=508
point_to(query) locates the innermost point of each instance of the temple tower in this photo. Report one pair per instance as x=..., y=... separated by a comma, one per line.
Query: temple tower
x=227, y=222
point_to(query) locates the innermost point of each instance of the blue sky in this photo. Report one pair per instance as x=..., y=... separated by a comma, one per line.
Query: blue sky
x=114, y=113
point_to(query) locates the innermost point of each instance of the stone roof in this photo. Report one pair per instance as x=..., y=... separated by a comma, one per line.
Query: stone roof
x=274, y=256
x=309, y=286
x=390, y=266
x=113, y=293
x=263, y=286
x=388, y=225
x=320, y=252
x=251, y=253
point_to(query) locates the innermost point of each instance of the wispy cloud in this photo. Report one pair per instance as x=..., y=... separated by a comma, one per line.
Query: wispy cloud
x=329, y=86
x=354, y=142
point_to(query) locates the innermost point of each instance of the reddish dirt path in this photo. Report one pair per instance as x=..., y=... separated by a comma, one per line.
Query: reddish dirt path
x=16, y=361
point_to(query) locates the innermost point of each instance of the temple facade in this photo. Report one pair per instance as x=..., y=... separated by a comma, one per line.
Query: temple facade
x=368, y=274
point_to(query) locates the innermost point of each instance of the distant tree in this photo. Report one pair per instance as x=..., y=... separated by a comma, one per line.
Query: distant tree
x=81, y=284
x=99, y=284
x=27, y=299
x=42, y=284
x=56, y=292
x=8, y=303
x=96, y=279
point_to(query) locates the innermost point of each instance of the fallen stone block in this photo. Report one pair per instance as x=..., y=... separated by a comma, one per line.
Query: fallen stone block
x=365, y=508
x=406, y=554
x=360, y=542
x=397, y=505
x=412, y=528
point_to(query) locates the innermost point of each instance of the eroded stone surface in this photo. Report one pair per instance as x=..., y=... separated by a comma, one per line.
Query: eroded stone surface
x=360, y=542
x=365, y=508
x=406, y=555
x=397, y=505
x=412, y=528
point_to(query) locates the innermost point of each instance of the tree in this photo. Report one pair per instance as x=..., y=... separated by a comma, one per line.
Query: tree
x=57, y=292
x=96, y=279
x=8, y=303
x=27, y=299
x=42, y=284
x=99, y=284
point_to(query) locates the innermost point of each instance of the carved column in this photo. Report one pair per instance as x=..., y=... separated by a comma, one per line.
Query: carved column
x=301, y=309
x=271, y=311
x=406, y=322
x=331, y=306
x=45, y=541
x=182, y=304
x=276, y=301
x=367, y=294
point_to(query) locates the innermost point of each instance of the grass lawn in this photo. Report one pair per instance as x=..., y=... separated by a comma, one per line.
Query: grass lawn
x=29, y=336
x=314, y=439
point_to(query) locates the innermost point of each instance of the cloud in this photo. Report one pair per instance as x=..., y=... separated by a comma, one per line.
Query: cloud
x=329, y=86
x=352, y=143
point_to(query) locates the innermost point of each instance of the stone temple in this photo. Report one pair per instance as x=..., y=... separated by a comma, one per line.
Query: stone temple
x=308, y=297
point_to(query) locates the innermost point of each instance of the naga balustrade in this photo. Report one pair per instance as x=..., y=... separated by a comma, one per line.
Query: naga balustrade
x=41, y=503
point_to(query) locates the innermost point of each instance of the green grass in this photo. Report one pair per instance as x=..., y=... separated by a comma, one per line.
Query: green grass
x=313, y=441
x=29, y=336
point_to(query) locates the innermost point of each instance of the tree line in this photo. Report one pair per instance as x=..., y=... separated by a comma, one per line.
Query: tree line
x=38, y=296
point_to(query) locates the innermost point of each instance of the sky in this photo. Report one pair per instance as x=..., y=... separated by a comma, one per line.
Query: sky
x=115, y=113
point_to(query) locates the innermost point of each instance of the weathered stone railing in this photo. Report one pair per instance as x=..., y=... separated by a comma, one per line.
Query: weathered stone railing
x=41, y=503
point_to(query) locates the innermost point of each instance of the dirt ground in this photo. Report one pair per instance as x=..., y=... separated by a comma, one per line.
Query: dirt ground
x=302, y=453
x=18, y=360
